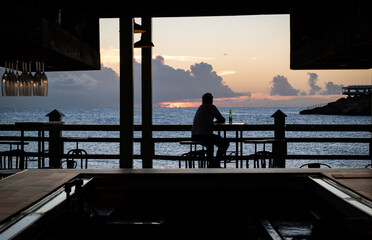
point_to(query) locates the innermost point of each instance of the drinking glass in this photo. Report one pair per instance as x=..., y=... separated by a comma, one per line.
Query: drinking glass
x=30, y=81
x=13, y=82
x=16, y=82
x=37, y=81
x=44, y=81
x=5, y=82
x=23, y=81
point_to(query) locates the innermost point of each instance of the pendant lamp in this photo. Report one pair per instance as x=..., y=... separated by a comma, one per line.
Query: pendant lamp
x=138, y=28
x=143, y=43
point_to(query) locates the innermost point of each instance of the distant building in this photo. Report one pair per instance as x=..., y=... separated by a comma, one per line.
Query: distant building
x=353, y=90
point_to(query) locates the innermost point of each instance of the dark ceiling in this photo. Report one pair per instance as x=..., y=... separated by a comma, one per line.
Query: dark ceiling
x=324, y=34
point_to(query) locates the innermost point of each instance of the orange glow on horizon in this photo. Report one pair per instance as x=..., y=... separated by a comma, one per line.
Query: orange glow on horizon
x=179, y=104
x=258, y=100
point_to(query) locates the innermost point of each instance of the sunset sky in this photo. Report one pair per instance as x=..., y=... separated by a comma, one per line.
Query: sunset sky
x=242, y=60
x=248, y=52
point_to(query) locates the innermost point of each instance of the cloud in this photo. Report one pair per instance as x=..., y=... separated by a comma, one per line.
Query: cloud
x=281, y=86
x=178, y=85
x=81, y=82
x=331, y=88
x=313, y=78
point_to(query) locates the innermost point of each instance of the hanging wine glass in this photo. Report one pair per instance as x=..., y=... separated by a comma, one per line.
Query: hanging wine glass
x=8, y=84
x=37, y=81
x=23, y=81
x=40, y=85
x=30, y=81
x=13, y=82
x=44, y=81
x=5, y=82
x=16, y=83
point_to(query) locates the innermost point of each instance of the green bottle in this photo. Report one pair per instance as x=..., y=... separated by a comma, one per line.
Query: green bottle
x=230, y=117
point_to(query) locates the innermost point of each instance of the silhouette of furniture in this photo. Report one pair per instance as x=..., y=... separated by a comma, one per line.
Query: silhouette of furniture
x=315, y=165
x=12, y=159
x=76, y=154
x=237, y=154
x=259, y=157
x=194, y=155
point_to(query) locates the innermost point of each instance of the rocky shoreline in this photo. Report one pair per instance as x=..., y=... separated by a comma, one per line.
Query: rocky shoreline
x=358, y=105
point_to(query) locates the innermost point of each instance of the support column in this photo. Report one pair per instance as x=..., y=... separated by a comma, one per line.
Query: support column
x=126, y=92
x=147, y=145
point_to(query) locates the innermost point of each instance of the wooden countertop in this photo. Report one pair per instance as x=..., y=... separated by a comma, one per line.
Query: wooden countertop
x=24, y=188
x=21, y=190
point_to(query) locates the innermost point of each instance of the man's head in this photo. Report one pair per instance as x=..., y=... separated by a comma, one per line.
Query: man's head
x=207, y=98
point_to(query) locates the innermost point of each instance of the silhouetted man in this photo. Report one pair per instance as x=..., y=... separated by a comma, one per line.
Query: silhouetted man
x=202, y=130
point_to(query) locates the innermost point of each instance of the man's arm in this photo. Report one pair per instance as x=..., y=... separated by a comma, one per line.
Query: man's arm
x=218, y=116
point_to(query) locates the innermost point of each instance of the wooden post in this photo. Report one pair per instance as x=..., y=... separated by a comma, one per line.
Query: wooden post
x=280, y=146
x=147, y=145
x=55, y=142
x=126, y=92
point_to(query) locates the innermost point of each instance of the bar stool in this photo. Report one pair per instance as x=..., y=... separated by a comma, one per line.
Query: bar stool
x=259, y=157
x=76, y=153
x=194, y=155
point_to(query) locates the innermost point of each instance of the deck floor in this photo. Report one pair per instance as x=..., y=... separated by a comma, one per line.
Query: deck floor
x=21, y=190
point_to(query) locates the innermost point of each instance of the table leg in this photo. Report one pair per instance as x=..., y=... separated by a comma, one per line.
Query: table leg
x=43, y=148
x=237, y=146
x=22, y=157
x=38, y=148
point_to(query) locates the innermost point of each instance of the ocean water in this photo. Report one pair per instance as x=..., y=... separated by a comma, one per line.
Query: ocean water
x=166, y=116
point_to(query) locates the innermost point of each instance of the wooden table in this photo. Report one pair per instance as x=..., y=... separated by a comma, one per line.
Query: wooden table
x=238, y=128
x=10, y=143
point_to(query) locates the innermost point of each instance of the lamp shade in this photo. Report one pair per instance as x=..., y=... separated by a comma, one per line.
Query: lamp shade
x=143, y=43
x=138, y=28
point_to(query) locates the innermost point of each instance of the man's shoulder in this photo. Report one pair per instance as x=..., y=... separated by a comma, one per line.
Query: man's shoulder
x=208, y=106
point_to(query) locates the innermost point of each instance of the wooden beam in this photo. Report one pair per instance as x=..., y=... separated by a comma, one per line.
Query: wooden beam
x=147, y=146
x=126, y=92
x=27, y=36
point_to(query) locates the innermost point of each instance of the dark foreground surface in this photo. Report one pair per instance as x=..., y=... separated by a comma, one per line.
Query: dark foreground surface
x=173, y=204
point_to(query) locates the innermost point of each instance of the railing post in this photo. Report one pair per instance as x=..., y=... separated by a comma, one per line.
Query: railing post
x=280, y=146
x=55, y=142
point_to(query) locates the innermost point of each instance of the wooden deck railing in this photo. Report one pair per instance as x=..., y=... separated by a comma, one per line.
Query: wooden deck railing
x=250, y=132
